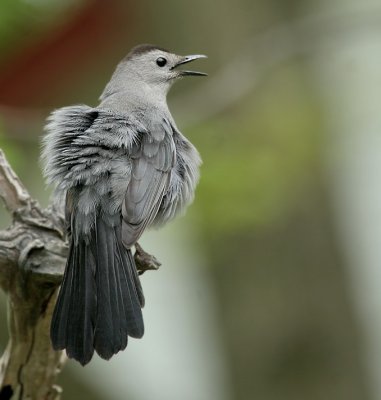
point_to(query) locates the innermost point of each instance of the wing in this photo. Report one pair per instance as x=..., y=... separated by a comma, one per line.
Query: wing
x=81, y=141
x=152, y=163
x=184, y=179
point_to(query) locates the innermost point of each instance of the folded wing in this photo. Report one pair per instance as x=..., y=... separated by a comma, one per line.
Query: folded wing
x=152, y=163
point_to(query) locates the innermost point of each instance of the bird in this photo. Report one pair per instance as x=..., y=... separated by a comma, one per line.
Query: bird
x=119, y=168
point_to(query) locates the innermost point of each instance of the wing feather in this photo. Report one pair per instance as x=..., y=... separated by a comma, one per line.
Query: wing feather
x=151, y=168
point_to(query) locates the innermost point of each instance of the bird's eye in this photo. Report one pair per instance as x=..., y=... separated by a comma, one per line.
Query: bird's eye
x=161, y=61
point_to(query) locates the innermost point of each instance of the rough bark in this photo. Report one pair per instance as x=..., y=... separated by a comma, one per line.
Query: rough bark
x=32, y=261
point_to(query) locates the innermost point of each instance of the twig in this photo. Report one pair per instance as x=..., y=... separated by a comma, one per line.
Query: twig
x=12, y=191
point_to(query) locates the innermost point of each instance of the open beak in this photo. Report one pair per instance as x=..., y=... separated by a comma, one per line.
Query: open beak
x=187, y=59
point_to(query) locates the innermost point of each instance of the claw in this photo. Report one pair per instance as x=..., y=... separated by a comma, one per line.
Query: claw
x=145, y=261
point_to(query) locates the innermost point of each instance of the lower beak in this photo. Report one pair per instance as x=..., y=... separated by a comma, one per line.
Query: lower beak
x=187, y=59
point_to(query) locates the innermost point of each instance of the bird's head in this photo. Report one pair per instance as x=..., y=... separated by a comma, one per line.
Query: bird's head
x=152, y=67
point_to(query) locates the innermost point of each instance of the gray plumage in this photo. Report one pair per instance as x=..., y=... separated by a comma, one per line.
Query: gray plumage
x=121, y=167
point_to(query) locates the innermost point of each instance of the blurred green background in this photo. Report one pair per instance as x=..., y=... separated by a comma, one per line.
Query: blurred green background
x=269, y=287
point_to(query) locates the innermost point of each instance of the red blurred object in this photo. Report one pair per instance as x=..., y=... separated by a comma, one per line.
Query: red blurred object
x=35, y=75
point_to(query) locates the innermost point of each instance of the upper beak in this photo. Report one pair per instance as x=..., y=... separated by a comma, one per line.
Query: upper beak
x=187, y=59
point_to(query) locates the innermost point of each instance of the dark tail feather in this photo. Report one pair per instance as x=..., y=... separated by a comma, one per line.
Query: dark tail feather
x=100, y=301
x=135, y=276
x=74, y=315
x=133, y=298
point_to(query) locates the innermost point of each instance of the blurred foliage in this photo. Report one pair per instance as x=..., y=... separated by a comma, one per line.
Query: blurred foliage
x=18, y=18
x=259, y=154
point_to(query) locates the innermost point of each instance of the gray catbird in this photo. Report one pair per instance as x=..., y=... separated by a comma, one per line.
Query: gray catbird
x=122, y=166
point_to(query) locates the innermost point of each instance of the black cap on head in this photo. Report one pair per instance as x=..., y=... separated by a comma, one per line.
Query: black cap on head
x=143, y=48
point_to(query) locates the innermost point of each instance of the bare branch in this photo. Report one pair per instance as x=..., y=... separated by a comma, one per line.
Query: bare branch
x=32, y=259
x=12, y=191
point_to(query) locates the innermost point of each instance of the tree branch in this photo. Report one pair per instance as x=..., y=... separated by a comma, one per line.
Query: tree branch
x=32, y=260
x=12, y=191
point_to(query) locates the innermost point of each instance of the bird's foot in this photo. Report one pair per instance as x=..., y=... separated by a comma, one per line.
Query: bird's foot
x=145, y=261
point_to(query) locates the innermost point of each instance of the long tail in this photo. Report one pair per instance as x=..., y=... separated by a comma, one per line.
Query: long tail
x=100, y=300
